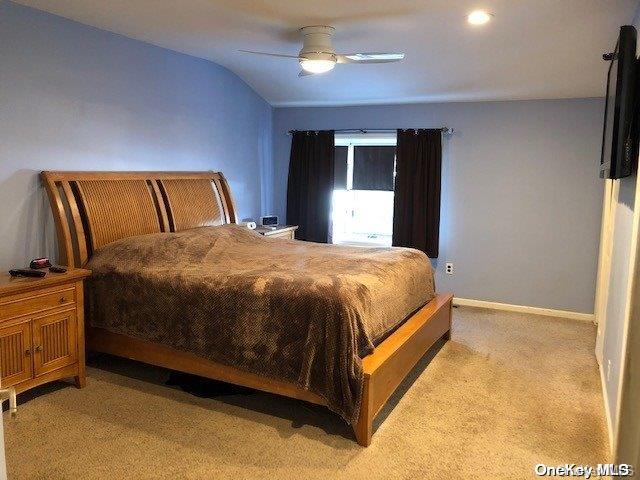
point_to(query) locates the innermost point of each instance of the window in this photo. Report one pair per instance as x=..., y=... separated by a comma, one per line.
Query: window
x=362, y=211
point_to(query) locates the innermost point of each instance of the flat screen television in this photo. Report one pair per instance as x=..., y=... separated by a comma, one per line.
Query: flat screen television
x=620, y=136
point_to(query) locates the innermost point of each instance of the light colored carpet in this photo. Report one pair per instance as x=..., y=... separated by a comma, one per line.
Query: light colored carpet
x=509, y=391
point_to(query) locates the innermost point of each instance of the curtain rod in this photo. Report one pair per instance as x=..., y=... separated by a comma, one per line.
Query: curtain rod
x=445, y=130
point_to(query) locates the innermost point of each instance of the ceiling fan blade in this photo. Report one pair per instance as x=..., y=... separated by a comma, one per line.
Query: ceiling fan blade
x=369, y=57
x=304, y=73
x=269, y=54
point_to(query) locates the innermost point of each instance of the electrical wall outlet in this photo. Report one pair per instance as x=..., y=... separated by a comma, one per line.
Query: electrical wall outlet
x=448, y=268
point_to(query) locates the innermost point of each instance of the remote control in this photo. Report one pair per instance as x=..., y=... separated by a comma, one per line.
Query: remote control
x=40, y=263
x=56, y=269
x=25, y=272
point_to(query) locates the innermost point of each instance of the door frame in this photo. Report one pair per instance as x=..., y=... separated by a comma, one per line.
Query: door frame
x=627, y=441
x=627, y=434
x=605, y=254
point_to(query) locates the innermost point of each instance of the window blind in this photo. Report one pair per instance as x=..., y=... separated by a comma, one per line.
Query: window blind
x=373, y=167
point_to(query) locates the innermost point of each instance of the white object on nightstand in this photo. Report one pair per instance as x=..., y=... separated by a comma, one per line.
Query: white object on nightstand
x=249, y=225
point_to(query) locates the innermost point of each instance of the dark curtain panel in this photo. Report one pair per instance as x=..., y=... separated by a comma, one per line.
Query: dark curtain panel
x=416, y=205
x=310, y=185
x=340, y=180
x=373, y=168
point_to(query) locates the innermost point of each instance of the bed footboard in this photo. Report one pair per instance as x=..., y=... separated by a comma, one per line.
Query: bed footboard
x=394, y=358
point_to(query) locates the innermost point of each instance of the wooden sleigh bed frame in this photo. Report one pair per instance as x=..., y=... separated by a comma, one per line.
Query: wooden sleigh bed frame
x=92, y=209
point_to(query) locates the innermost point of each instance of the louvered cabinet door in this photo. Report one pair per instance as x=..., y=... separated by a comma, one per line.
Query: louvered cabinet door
x=15, y=353
x=54, y=341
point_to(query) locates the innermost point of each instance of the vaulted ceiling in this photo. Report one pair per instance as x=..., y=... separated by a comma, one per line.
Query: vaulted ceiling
x=531, y=48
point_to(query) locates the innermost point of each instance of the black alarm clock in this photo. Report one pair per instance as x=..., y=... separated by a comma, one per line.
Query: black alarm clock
x=269, y=221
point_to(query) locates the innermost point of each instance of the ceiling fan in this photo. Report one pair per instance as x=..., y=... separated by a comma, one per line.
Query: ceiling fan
x=318, y=55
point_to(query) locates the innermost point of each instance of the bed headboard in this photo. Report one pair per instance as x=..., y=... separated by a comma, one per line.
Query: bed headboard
x=92, y=209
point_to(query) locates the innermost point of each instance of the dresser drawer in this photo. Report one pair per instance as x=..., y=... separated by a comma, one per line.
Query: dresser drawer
x=42, y=300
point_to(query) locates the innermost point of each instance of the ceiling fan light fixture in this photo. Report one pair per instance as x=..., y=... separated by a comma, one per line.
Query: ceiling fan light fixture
x=317, y=65
x=317, y=54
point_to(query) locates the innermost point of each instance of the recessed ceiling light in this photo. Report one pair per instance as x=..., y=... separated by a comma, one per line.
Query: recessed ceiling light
x=479, y=17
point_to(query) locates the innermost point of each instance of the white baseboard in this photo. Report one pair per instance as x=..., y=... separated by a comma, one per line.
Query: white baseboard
x=467, y=302
x=607, y=410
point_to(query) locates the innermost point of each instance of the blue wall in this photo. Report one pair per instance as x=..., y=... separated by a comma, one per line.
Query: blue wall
x=521, y=201
x=521, y=197
x=74, y=97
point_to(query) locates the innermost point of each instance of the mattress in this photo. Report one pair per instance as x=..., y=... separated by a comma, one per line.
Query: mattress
x=299, y=312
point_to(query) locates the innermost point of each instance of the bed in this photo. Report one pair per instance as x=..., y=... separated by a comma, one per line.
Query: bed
x=176, y=283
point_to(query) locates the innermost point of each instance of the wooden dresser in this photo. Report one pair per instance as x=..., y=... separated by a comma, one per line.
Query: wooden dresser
x=42, y=329
x=281, y=231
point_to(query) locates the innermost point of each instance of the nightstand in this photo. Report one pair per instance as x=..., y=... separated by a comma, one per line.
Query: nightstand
x=280, y=231
x=42, y=329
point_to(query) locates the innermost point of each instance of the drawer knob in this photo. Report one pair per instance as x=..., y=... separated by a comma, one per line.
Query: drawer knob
x=39, y=348
x=27, y=352
x=62, y=300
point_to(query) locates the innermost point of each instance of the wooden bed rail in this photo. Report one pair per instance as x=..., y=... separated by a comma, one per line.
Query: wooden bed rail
x=92, y=209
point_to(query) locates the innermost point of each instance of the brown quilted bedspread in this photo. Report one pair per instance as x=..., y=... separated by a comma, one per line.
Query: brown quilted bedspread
x=300, y=312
